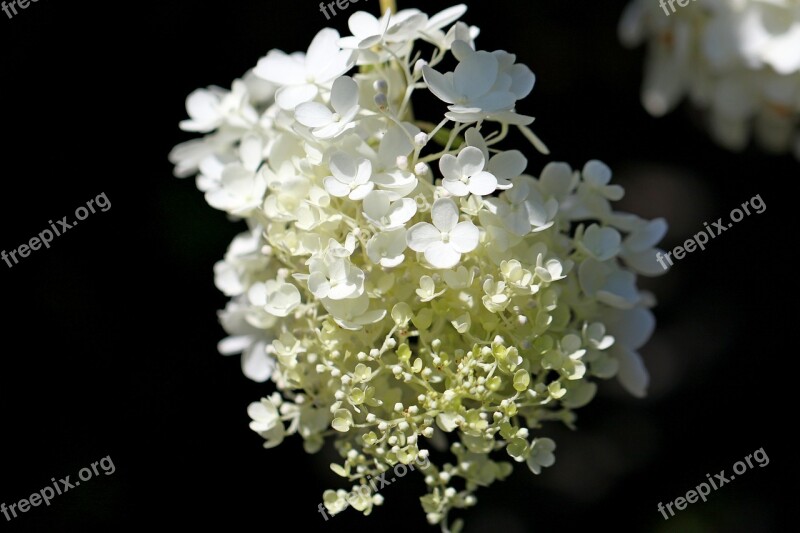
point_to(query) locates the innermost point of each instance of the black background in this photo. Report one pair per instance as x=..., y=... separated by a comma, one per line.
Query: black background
x=109, y=337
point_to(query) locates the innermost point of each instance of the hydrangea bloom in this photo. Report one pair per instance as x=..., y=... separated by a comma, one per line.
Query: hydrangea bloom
x=410, y=290
x=737, y=59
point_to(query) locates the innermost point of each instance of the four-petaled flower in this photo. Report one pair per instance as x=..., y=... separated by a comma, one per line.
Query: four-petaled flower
x=464, y=174
x=300, y=75
x=446, y=239
x=351, y=177
x=327, y=124
x=484, y=85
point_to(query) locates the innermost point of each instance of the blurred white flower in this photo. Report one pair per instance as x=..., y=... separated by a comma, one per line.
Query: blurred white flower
x=737, y=59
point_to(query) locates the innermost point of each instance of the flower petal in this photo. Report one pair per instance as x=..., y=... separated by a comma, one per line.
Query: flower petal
x=281, y=68
x=449, y=167
x=376, y=205
x=475, y=75
x=455, y=187
x=290, y=97
x=256, y=364
x=344, y=94
x=313, y=115
x=440, y=85
x=482, y=184
x=446, y=17
x=335, y=187
x=508, y=165
x=321, y=50
x=465, y=237
x=471, y=161
x=632, y=372
x=343, y=167
x=422, y=235
x=442, y=255
x=444, y=214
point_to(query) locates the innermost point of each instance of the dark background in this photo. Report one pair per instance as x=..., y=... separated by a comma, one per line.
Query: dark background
x=109, y=337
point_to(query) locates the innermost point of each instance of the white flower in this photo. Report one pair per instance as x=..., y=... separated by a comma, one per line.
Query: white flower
x=638, y=248
x=300, y=75
x=260, y=91
x=461, y=278
x=541, y=455
x=433, y=29
x=427, y=289
x=395, y=31
x=353, y=314
x=597, y=175
x=211, y=108
x=287, y=191
x=278, y=298
x=523, y=209
x=631, y=329
x=459, y=32
x=351, y=177
x=242, y=263
x=333, y=275
x=389, y=177
x=242, y=186
x=601, y=243
x=328, y=124
x=509, y=310
x=188, y=156
x=386, y=248
x=552, y=269
x=483, y=86
x=557, y=181
x=446, y=239
x=246, y=339
x=464, y=174
x=367, y=30
x=335, y=278
x=266, y=422
x=388, y=215
x=209, y=176
x=613, y=287
x=495, y=298
x=504, y=166
x=738, y=59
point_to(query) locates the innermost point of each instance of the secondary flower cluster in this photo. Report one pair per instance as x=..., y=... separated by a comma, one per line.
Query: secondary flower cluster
x=738, y=59
x=400, y=294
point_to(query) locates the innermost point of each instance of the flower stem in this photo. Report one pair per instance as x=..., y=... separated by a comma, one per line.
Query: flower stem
x=388, y=5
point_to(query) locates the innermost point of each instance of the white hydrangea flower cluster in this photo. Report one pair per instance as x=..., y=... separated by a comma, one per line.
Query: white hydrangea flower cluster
x=402, y=280
x=737, y=59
